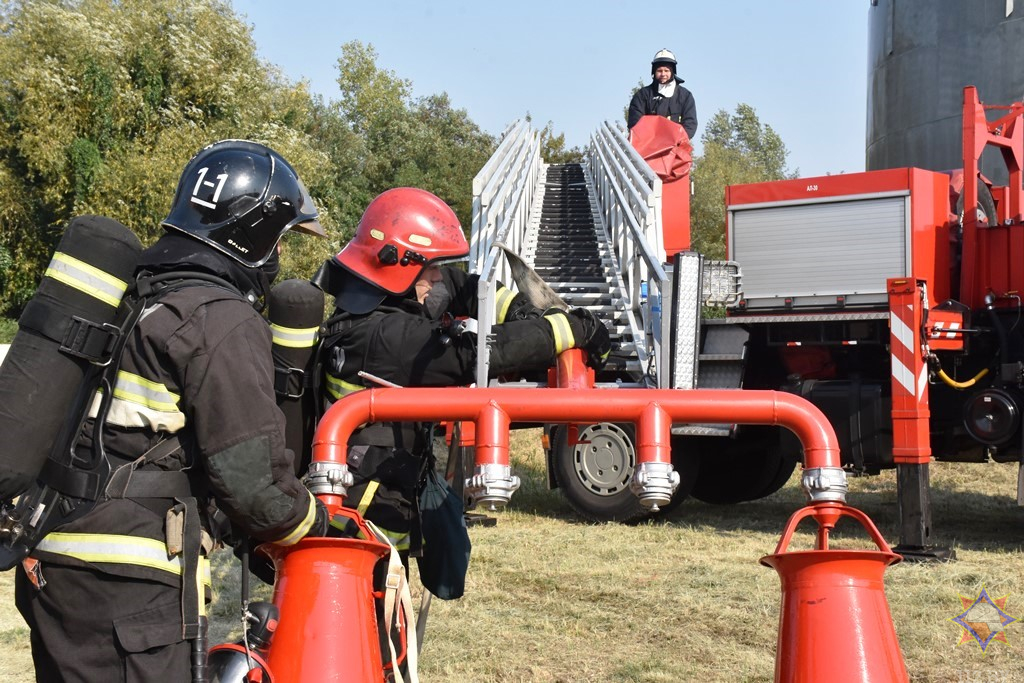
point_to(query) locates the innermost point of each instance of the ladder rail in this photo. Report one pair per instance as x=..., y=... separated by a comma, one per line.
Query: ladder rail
x=629, y=195
x=502, y=196
x=625, y=196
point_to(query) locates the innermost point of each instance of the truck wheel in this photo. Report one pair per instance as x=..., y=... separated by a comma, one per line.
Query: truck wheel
x=749, y=467
x=986, y=210
x=594, y=475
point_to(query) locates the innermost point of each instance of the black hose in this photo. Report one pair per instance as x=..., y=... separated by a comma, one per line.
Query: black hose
x=1004, y=346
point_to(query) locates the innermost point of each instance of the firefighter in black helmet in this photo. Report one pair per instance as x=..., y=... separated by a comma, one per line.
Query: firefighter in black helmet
x=665, y=96
x=391, y=292
x=118, y=593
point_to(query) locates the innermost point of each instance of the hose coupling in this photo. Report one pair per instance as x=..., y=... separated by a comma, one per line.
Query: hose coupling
x=654, y=483
x=491, y=486
x=328, y=478
x=825, y=484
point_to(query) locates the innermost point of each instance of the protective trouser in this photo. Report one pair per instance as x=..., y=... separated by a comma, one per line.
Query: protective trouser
x=72, y=638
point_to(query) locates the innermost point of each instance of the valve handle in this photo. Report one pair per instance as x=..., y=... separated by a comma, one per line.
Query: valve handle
x=354, y=517
x=827, y=514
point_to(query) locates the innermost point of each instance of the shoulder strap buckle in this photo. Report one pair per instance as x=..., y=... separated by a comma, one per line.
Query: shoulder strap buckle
x=91, y=341
x=286, y=379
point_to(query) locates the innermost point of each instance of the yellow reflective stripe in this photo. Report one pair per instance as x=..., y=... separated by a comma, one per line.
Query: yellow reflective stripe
x=294, y=337
x=299, y=532
x=364, y=502
x=139, y=402
x=503, y=299
x=86, y=278
x=339, y=387
x=136, y=389
x=562, y=330
x=204, y=570
x=129, y=414
x=399, y=539
x=117, y=549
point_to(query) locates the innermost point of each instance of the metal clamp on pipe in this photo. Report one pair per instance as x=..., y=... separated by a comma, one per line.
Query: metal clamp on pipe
x=328, y=478
x=825, y=484
x=491, y=486
x=654, y=483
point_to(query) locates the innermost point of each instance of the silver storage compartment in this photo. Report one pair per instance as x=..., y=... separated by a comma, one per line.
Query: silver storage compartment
x=805, y=255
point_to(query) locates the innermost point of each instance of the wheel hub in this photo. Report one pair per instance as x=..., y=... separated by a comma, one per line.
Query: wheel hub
x=604, y=459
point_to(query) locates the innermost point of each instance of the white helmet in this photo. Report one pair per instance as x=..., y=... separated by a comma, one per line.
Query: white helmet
x=664, y=58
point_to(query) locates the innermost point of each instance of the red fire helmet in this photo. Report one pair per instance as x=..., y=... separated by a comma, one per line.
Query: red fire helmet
x=401, y=232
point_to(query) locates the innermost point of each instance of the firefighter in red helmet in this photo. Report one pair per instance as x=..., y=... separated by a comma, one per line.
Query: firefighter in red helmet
x=391, y=290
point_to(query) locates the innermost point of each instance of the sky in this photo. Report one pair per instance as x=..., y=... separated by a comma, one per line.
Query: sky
x=801, y=64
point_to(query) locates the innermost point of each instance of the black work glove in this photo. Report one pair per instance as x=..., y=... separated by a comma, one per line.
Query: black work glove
x=522, y=309
x=322, y=521
x=591, y=335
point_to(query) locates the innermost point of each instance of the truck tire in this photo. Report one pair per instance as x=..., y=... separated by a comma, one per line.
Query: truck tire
x=749, y=467
x=986, y=205
x=595, y=476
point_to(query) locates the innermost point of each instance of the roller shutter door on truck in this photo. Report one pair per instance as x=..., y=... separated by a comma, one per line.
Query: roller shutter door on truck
x=811, y=253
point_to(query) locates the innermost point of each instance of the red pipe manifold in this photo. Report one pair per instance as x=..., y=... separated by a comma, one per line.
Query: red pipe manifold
x=652, y=410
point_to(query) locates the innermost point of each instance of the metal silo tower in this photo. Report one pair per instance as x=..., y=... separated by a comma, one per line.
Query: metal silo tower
x=921, y=54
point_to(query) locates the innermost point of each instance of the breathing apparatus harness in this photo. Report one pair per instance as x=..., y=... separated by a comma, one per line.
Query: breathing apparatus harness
x=77, y=476
x=74, y=479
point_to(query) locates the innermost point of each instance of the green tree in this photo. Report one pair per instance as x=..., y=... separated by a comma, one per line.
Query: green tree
x=423, y=142
x=103, y=102
x=736, y=149
x=553, y=149
x=448, y=150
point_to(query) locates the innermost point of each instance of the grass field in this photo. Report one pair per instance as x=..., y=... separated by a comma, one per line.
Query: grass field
x=553, y=599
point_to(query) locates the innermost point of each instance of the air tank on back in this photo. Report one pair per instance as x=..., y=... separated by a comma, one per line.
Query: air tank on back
x=921, y=54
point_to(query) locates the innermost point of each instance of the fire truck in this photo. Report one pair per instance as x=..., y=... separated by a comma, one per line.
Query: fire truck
x=883, y=301
x=876, y=296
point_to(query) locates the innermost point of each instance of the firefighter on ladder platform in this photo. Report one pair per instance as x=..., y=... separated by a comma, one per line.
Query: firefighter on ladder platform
x=395, y=307
x=665, y=96
x=118, y=593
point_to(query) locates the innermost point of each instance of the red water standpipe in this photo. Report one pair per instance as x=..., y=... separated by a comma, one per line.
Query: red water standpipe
x=571, y=372
x=652, y=410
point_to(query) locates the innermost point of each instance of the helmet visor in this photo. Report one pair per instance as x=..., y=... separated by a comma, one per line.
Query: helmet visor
x=306, y=222
x=450, y=260
x=312, y=227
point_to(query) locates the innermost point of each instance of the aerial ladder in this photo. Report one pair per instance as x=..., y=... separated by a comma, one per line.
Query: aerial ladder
x=593, y=231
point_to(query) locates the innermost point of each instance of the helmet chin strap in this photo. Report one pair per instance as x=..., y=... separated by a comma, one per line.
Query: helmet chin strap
x=265, y=276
